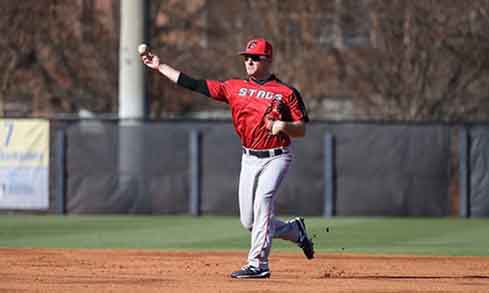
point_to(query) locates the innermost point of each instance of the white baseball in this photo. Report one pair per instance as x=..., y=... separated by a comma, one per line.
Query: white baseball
x=142, y=48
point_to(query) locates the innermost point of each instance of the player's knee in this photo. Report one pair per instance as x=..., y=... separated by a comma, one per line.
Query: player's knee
x=248, y=225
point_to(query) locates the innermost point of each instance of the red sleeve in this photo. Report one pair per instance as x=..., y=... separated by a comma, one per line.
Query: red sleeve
x=297, y=108
x=217, y=90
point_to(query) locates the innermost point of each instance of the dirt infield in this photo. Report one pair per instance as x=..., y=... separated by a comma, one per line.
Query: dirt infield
x=65, y=270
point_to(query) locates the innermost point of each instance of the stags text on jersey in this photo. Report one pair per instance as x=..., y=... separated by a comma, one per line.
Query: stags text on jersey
x=247, y=92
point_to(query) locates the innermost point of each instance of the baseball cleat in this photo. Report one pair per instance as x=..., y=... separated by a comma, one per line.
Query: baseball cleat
x=304, y=241
x=251, y=272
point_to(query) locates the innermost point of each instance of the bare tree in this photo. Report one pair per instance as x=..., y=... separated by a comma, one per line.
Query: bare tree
x=406, y=60
x=428, y=62
x=55, y=51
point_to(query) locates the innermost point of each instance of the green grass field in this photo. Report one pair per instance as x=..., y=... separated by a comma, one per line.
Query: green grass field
x=421, y=236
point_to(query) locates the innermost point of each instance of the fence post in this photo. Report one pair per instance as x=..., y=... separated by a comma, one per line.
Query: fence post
x=195, y=172
x=329, y=200
x=464, y=170
x=60, y=155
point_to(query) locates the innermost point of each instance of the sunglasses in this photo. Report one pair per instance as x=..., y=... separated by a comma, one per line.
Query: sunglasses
x=254, y=58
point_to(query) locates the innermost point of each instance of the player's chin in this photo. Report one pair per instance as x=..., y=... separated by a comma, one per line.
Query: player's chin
x=250, y=71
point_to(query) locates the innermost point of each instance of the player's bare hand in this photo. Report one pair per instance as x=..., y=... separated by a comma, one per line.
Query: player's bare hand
x=148, y=58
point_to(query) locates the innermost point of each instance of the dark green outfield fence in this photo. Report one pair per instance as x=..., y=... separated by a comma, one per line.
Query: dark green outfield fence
x=344, y=169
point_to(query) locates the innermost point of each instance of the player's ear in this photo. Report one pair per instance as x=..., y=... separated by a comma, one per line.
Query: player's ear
x=269, y=62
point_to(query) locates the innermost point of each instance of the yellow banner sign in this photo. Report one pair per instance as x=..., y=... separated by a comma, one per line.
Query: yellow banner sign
x=24, y=163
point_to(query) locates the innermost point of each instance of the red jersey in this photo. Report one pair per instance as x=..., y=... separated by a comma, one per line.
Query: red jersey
x=248, y=100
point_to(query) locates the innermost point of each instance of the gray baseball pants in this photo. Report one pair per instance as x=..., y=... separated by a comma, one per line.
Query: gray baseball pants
x=259, y=181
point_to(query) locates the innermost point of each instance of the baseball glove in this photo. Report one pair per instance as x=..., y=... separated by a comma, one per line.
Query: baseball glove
x=274, y=112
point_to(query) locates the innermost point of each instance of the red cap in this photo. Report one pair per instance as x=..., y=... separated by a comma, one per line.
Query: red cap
x=258, y=47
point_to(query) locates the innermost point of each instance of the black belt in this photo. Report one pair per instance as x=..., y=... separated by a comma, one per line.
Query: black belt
x=265, y=153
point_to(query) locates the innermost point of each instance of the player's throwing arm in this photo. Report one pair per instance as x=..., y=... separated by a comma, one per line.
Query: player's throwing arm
x=153, y=62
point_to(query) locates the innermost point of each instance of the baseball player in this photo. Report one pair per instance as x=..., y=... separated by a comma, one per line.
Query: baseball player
x=266, y=114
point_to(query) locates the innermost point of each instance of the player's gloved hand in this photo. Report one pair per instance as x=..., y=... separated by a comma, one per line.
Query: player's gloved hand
x=273, y=117
x=277, y=127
